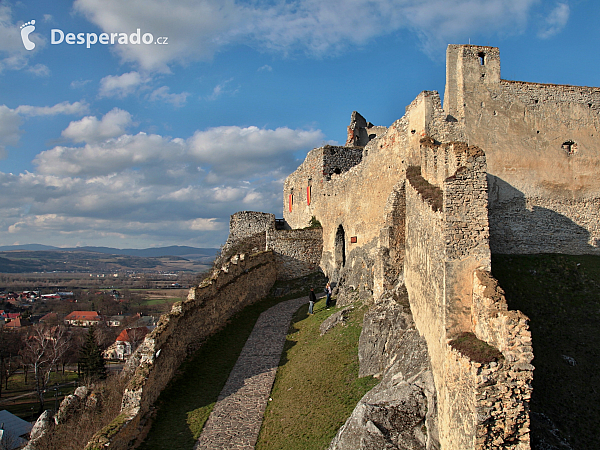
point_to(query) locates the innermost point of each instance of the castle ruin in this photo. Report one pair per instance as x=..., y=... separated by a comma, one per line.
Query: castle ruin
x=504, y=166
x=416, y=210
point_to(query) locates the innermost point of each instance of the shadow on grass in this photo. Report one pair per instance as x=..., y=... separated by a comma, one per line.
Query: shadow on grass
x=184, y=406
x=561, y=296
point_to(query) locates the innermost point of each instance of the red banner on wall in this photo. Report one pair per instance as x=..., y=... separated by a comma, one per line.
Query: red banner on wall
x=308, y=195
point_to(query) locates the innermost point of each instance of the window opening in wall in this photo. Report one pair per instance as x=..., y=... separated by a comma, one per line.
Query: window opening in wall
x=340, y=247
x=570, y=147
x=481, y=57
x=291, y=201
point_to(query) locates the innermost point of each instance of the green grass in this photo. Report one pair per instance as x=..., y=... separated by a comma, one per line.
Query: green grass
x=160, y=301
x=561, y=296
x=317, y=384
x=186, y=403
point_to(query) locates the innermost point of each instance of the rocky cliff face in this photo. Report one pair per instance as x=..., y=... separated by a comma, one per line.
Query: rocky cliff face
x=400, y=412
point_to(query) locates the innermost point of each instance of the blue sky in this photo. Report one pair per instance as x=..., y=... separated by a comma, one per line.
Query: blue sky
x=143, y=145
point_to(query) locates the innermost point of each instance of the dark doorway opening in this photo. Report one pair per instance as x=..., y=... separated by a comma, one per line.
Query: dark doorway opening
x=340, y=247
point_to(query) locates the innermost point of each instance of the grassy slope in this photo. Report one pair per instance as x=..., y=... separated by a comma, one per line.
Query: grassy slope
x=185, y=404
x=317, y=384
x=561, y=296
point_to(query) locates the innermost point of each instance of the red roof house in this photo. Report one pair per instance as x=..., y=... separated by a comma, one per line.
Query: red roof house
x=83, y=318
x=126, y=343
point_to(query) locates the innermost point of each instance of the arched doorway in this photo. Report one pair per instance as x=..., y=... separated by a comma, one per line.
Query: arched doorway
x=340, y=248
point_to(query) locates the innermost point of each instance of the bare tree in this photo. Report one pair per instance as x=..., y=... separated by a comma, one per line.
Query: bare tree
x=42, y=349
x=9, y=347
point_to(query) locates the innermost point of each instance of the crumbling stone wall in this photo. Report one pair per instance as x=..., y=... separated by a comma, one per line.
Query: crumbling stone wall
x=503, y=389
x=338, y=159
x=243, y=281
x=249, y=226
x=444, y=248
x=297, y=252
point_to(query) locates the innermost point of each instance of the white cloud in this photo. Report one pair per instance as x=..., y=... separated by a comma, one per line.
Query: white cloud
x=205, y=224
x=59, y=108
x=120, y=85
x=234, y=151
x=198, y=29
x=113, y=155
x=11, y=119
x=130, y=189
x=222, y=89
x=40, y=70
x=77, y=84
x=556, y=21
x=162, y=94
x=266, y=67
x=90, y=129
x=195, y=29
x=10, y=133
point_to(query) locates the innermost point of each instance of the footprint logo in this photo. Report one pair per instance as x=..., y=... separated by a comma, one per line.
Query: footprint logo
x=26, y=30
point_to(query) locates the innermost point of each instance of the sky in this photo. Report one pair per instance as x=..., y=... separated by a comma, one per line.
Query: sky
x=156, y=120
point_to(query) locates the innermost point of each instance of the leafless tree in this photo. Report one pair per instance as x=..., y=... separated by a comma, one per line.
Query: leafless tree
x=42, y=349
x=9, y=347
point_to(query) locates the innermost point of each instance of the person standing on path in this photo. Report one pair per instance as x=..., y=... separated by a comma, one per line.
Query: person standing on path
x=328, y=292
x=312, y=298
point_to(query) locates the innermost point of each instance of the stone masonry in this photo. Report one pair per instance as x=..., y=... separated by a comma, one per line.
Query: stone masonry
x=240, y=282
x=419, y=206
x=503, y=166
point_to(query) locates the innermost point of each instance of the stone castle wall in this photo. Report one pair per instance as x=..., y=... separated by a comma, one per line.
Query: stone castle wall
x=534, y=190
x=250, y=227
x=480, y=405
x=338, y=159
x=541, y=144
x=297, y=252
x=241, y=282
x=503, y=389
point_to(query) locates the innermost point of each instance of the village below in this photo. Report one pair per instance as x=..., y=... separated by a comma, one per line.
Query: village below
x=118, y=300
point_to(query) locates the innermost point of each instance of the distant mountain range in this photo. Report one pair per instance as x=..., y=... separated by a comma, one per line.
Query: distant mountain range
x=44, y=258
x=191, y=253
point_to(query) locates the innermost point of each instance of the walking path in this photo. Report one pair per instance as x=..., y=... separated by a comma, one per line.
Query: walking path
x=235, y=421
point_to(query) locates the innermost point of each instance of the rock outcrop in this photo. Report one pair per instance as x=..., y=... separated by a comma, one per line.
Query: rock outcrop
x=400, y=412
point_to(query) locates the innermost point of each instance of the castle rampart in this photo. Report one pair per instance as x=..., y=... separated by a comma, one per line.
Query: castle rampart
x=240, y=282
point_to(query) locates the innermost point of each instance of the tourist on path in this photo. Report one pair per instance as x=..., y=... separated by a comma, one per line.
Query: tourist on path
x=312, y=298
x=328, y=292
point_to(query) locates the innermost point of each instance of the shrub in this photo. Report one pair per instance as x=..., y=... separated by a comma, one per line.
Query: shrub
x=314, y=223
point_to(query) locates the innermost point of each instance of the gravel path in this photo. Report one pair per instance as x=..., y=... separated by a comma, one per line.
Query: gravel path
x=235, y=420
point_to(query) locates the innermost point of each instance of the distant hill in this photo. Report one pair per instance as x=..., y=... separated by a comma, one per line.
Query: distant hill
x=191, y=253
x=20, y=259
